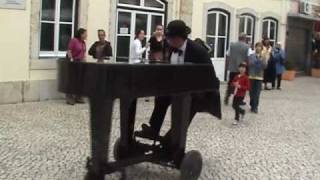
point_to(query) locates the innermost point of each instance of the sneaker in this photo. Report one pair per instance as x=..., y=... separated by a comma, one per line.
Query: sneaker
x=254, y=111
x=235, y=123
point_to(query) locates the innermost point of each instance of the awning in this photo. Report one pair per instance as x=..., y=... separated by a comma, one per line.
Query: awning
x=304, y=16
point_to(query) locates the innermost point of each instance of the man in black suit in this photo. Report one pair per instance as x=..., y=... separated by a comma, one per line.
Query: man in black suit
x=183, y=50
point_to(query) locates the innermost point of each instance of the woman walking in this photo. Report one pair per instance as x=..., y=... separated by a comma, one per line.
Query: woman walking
x=77, y=53
x=257, y=64
x=270, y=71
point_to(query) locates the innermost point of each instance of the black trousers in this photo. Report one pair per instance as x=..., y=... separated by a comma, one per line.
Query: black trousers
x=279, y=79
x=237, y=101
x=230, y=88
x=159, y=112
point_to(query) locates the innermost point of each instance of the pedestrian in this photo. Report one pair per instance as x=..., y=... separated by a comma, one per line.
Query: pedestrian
x=77, y=53
x=270, y=71
x=257, y=64
x=158, y=45
x=101, y=49
x=237, y=54
x=316, y=51
x=241, y=85
x=137, y=50
x=278, y=56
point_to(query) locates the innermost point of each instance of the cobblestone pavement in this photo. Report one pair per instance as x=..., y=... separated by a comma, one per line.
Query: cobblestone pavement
x=50, y=140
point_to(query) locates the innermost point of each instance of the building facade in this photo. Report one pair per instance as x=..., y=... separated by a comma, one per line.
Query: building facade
x=34, y=37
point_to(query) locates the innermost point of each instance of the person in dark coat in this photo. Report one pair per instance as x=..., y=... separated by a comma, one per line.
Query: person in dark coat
x=101, y=49
x=270, y=72
x=183, y=50
x=316, y=51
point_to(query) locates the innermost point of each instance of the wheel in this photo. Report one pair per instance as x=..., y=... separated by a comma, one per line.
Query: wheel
x=116, y=150
x=90, y=176
x=191, y=166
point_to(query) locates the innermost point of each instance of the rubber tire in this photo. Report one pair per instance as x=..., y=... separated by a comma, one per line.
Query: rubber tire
x=116, y=150
x=191, y=166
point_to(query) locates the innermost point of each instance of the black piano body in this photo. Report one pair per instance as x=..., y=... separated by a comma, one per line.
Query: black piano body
x=103, y=83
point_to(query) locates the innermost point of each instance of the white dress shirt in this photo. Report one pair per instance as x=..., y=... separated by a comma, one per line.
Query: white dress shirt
x=136, y=52
x=179, y=59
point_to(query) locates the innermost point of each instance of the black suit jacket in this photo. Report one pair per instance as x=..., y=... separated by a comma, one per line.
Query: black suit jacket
x=204, y=102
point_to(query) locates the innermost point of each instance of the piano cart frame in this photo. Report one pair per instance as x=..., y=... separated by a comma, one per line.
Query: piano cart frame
x=128, y=151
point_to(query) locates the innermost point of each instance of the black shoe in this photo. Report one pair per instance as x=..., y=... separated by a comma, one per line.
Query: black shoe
x=279, y=88
x=147, y=132
x=70, y=101
x=254, y=111
x=80, y=100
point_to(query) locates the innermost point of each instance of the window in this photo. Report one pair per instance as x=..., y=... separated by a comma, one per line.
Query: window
x=133, y=15
x=57, y=24
x=246, y=25
x=145, y=4
x=270, y=29
x=217, y=32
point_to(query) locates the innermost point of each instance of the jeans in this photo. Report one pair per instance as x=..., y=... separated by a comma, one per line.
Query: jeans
x=255, y=91
x=237, y=101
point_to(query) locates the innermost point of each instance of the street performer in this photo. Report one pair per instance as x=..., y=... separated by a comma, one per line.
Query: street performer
x=182, y=50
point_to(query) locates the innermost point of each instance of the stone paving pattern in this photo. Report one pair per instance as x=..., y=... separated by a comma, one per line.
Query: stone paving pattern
x=50, y=140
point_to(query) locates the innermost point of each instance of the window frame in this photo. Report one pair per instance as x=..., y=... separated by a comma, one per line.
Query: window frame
x=56, y=52
x=270, y=20
x=142, y=6
x=253, y=27
x=216, y=36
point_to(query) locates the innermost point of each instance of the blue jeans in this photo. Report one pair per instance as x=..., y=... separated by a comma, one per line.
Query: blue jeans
x=255, y=91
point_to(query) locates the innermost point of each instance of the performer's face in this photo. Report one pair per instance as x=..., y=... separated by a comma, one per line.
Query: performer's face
x=175, y=42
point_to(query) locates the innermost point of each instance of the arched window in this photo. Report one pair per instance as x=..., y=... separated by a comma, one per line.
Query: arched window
x=218, y=32
x=270, y=29
x=133, y=15
x=247, y=25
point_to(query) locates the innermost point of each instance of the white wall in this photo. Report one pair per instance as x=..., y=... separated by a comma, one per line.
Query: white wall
x=14, y=44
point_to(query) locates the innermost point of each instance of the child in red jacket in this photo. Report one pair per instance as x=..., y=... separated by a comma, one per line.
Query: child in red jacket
x=241, y=84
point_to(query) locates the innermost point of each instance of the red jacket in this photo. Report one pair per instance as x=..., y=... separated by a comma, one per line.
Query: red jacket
x=244, y=83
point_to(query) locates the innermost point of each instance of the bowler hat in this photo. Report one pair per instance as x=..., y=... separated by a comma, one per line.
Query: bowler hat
x=177, y=28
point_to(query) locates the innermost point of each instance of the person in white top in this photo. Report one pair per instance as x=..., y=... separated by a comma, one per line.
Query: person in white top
x=136, y=50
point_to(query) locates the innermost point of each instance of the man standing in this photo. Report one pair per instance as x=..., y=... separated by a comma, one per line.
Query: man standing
x=183, y=50
x=237, y=54
x=101, y=49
